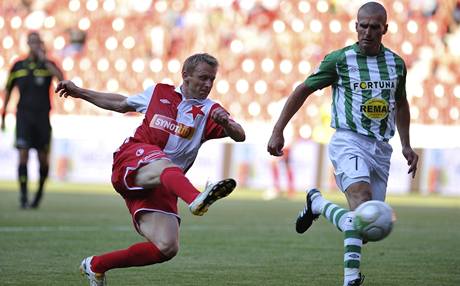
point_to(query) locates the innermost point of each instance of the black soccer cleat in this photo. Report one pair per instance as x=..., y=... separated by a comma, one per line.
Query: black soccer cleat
x=306, y=216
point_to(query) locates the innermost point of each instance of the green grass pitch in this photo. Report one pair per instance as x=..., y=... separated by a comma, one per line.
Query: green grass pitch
x=242, y=240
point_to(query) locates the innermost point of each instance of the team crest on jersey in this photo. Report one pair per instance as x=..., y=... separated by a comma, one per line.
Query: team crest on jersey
x=375, y=108
x=378, y=84
x=195, y=111
x=171, y=126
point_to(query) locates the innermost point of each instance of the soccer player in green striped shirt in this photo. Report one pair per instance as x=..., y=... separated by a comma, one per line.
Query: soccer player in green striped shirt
x=368, y=103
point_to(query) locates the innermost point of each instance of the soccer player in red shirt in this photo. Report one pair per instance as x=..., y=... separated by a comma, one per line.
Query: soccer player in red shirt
x=148, y=168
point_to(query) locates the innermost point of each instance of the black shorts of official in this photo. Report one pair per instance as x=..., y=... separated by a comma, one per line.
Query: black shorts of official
x=33, y=130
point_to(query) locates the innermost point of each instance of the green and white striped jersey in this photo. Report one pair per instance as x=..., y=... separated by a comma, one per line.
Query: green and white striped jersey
x=364, y=89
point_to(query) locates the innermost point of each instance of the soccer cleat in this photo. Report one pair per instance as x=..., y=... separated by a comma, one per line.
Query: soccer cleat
x=95, y=279
x=358, y=281
x=211, y=193
x=306, y=216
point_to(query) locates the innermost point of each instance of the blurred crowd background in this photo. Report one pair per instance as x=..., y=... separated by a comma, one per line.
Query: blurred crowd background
x=265, y=48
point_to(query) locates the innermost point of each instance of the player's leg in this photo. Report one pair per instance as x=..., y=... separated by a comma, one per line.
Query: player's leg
x=142, y=167
x=41, y=141
x=164, y=172
x=174, y=180
x=276, y=176
x=43, y=158
x=23, y=144
x=290, y=177
x=343, y=219
x=356, y=194
x=162, y=233
x=275, y=190
x=23, y=177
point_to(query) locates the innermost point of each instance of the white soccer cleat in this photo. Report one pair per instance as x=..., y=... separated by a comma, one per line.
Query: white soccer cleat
x=211, y=193
x=95, y=279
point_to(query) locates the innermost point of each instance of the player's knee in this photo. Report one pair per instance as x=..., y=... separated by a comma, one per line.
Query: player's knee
x=169, y=248
x=358, y=193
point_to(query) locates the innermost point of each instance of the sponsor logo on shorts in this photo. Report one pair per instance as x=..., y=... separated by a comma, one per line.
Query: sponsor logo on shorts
x=375, y=108
x=171, y=126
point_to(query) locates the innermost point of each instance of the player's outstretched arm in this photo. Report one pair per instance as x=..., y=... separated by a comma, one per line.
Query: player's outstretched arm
x=402, y=123
x=110, y=101
x=292, y=105
x=232, y=128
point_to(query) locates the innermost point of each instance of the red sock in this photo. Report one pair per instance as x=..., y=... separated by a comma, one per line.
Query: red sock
x=174, y=180
x=139, y=254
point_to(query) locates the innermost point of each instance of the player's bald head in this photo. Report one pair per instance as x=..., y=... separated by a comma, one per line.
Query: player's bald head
x=373, y=8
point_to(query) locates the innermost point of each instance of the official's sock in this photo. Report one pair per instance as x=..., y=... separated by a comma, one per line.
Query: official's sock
x=22, y=177
x=352, y=249
x=174, y=180
x=140, y=254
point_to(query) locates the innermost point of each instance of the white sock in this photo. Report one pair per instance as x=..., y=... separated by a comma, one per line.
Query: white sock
x=317, y=203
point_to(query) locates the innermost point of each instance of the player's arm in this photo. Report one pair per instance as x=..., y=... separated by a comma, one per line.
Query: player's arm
x=50, y=66
x=8, y=89
x=324, y=76
x=403, y=123
x=292, y=105
x=54, y=70
x=232, y=128
x=110, y=101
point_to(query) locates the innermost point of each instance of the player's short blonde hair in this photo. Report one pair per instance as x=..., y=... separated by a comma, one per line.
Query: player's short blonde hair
x=191, y=62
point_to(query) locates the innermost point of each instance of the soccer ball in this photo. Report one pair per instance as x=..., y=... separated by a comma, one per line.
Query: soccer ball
x=374, y=220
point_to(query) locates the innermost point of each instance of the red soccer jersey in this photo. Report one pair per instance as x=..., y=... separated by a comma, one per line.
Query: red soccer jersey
x=175, y=124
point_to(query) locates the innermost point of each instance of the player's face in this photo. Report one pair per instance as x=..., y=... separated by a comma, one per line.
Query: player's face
x=35, y=43
x=199, y=83
x=370, y=28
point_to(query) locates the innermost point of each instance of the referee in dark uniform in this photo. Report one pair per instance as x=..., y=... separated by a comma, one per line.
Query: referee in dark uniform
x=32, y=76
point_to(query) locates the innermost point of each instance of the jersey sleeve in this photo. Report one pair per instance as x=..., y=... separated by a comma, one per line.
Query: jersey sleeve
x=326, y=73
x=141, y=100
x=212, y=129
x=12, y=76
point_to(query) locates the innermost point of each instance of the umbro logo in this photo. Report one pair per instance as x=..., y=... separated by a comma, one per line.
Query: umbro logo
x=165, y=101
x=353, y=69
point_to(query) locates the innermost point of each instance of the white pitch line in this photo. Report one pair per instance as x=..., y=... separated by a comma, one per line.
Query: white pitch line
x=62, y=228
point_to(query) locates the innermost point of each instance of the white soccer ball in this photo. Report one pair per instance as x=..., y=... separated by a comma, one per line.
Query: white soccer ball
x=374, y=220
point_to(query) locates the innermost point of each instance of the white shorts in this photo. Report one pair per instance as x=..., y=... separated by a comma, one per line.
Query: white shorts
x=358, y=158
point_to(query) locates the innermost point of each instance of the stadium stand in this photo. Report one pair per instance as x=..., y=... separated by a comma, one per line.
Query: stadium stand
x=264, y=48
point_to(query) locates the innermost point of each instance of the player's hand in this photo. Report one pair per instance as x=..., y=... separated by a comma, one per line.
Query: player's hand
x=276, y=144
x=67, y=88
x=220, y=116
x=412, y=160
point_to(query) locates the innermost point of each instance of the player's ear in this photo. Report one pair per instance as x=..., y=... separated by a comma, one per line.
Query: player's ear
x=385, y=29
